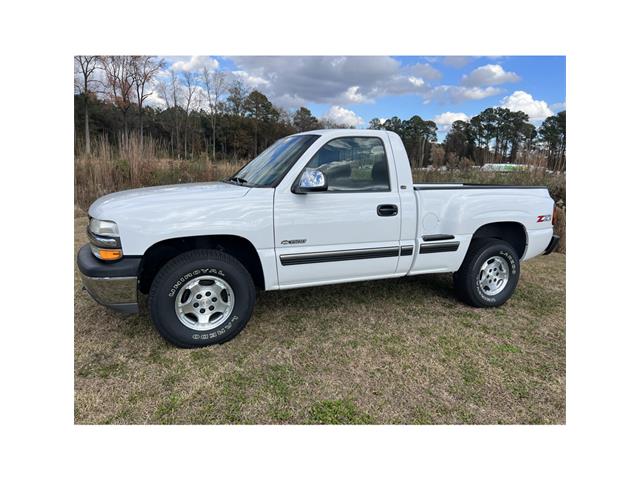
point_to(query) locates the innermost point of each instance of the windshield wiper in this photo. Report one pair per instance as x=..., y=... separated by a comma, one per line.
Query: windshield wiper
x=238, y=180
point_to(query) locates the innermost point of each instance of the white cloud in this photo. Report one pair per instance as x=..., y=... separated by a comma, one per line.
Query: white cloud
x=418, y=82
x=352, y=95
x=424, y=70
x=291, y=82
x=334, y=80
x=343, y=116
x=252, y=81
x=457, y=61
x=475, y=93
x=195, y=63
x=488, y=75
x=289, y=102
x=524, y=102
x=558, y=107
x=457, y=94
x=446, y=119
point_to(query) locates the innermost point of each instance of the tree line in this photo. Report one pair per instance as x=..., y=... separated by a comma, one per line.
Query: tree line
x=496, y=135
x=210, y=112
x=201, y=112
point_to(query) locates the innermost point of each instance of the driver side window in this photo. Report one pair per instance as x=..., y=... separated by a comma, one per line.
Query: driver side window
x=353, y=164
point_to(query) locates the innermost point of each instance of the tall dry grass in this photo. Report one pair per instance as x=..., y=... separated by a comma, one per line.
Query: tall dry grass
x=132, y=163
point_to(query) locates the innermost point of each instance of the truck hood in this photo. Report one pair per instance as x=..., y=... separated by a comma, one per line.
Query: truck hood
x=149, y=215
x=117, y=206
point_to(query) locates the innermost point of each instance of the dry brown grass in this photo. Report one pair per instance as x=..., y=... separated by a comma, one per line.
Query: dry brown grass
x=393, y=351
x=133, y=164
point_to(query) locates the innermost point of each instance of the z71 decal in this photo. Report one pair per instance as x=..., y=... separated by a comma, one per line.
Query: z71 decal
x=544, y=218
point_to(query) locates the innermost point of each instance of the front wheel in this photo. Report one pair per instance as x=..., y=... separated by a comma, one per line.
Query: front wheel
x=200, y=298
x=489, y=274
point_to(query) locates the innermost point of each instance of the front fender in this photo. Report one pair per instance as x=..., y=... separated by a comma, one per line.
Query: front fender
x=145, y=222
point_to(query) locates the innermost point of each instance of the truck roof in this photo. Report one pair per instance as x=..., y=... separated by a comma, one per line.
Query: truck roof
x=345, y=132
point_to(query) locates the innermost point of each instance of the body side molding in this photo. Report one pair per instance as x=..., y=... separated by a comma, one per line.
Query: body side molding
x=435, y=238
x=341, y=255
x=406, y=250
x=439, y=247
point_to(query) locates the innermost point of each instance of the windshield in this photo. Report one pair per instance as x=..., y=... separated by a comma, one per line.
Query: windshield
x=268, y=168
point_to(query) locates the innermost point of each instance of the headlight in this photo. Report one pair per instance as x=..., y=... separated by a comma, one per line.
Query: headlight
x=104, y=239
x=103, y=227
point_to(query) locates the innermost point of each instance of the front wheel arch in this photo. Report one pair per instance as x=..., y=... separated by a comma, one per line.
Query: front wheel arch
x=157, y=255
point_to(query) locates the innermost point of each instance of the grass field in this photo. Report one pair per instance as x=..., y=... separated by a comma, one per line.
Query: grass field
x=401, y=351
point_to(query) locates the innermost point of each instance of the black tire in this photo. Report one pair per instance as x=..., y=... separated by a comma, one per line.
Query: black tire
x=187, y=267
x=466, y=281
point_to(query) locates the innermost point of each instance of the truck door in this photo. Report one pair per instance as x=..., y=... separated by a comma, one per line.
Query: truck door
x=350, y=231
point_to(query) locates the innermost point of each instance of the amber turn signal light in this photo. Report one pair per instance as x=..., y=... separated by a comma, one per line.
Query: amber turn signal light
x=105, y=254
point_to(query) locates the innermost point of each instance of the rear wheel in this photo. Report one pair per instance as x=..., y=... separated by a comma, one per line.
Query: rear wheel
x=489, y=274
x=200, y=298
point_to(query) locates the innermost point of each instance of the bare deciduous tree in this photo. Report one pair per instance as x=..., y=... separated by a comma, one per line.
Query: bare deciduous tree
x=189, y=80
x=170, y=93
x=85, y=66
x=215, y=84
x=145, y=68
x=119, y=84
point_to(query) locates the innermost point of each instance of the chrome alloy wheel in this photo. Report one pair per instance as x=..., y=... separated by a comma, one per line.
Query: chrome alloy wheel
x=204, y=303
x=494, y=275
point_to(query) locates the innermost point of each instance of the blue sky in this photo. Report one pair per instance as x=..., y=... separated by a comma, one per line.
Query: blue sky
x=354, y=90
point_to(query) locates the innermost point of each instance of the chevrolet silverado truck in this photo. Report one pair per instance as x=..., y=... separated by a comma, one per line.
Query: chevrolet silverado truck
x=315, y=208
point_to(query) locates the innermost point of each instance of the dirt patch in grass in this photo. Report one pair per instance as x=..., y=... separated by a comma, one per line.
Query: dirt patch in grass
x=401, y=351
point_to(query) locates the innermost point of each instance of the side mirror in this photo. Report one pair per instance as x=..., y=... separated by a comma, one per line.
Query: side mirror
x=311, y=181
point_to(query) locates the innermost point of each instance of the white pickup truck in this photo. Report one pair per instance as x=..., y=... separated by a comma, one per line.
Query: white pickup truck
x=315, y=208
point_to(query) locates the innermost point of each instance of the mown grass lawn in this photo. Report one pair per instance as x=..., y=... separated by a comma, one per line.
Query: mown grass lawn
x=399, y=351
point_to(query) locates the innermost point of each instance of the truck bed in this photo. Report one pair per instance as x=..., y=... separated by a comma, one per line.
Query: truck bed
x=458, y=210
x=472, y=186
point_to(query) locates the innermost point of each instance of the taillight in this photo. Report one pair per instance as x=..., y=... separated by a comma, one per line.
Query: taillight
x=554, y=218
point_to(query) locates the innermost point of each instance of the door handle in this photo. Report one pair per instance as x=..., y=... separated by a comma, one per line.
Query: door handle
x=387, y=210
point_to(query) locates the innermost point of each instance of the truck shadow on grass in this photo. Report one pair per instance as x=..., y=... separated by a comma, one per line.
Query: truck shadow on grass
x=325, y=301
x=396, y=291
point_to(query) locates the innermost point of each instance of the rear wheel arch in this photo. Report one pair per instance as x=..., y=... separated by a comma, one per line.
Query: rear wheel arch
x=157, y=255
x=514, y=233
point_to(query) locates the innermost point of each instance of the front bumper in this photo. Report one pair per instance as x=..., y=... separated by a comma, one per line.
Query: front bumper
x=113, y=284
x=553, y=245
